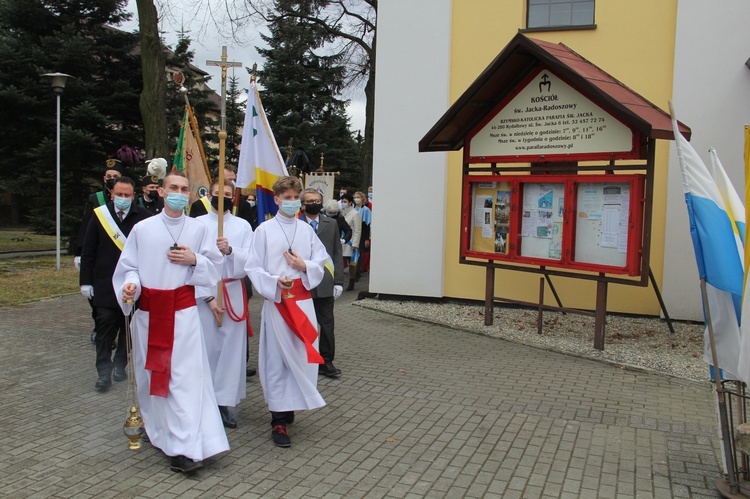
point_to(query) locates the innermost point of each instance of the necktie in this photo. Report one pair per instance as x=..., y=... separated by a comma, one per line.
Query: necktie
x=314, y=224
x=120, y=215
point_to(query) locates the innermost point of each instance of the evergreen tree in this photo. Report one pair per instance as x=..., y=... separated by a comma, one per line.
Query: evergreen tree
x=206, y=110
x=99, y=107
x=302, y=88
x=235, y=120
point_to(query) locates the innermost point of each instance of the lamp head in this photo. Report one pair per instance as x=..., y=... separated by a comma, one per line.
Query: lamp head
x=58, y=80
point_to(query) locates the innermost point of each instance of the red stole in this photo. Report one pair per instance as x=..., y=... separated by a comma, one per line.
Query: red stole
x=162, y=305
x=230, y=309
x=297, y=320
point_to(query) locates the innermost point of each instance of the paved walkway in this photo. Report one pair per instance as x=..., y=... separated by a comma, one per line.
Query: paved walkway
x=420, y=411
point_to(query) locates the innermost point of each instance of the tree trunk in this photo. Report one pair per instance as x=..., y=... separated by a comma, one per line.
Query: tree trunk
x=154, y=96
x=369, y=121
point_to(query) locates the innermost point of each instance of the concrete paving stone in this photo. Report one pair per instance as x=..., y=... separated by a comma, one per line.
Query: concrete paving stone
x=459, y=435
x=625, y=488
x=608, y=479
x=477, y=490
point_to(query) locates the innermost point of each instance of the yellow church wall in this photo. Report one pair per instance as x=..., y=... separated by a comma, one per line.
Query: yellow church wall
x=634, y=42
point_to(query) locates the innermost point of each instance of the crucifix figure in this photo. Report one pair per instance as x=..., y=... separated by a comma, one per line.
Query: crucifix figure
x=223, y=64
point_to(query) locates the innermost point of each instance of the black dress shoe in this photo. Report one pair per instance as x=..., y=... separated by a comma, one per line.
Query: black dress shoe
x=103, y=383
x=119, y=374
x=280, y=436
x=329, y=370
x=226, y=418
x=250, y=372
x=181, y=464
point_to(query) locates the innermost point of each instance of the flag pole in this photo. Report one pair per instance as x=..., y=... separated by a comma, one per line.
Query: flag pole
x=726, y=436
x=196, y=131
x=223, y=64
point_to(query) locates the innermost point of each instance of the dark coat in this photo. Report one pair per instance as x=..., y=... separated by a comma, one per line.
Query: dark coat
x=154, y=206
x=99, y=255
x=91, y=203
x=344, y=227
x=328, y=233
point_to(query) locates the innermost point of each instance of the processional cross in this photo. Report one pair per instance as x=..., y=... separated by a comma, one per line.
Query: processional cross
x=224, y=65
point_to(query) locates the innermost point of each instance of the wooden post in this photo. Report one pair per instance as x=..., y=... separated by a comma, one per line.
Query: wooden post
x=489, y=296
x=539, y=316
x=601, y=314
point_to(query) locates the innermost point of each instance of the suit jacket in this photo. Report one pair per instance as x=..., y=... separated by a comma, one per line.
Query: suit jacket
x=99, y=254
x=328, y=233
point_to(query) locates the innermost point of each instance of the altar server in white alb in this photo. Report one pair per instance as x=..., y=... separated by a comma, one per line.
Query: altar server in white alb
x=226, y=344
x=161, y=263
x=285, y=262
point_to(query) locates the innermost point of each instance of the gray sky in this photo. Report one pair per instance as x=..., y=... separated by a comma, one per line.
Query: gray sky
x=207, y=46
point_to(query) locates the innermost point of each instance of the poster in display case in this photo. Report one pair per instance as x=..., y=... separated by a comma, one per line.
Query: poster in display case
x=582, y=222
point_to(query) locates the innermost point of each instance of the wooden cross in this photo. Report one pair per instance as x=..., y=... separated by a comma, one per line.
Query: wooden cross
x=224, y=64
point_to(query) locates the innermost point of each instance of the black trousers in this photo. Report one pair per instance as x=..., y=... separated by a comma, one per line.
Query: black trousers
x=324, y=313
x=93, y=311
x=110, y=325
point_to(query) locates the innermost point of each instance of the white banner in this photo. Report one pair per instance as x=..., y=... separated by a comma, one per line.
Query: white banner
x=321, y=182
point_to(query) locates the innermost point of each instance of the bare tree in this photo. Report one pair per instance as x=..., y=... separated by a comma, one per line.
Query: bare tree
x=350, y=24
x=153, y=102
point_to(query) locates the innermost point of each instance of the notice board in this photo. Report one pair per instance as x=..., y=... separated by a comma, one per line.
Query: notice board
x=584, y=222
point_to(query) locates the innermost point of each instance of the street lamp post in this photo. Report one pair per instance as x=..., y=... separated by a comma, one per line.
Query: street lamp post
x=57, y=80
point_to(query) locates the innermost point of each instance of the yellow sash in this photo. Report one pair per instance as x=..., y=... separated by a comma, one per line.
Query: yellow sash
x=206, y=204
x=110, y=226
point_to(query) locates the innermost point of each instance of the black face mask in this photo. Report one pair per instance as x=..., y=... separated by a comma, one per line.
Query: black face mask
x=110, y=183
x=313, y=209
x=227, y=203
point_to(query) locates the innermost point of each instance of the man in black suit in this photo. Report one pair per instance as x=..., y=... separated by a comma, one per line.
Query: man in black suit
x=332, y=285
x=112, y=171
x=108, y=229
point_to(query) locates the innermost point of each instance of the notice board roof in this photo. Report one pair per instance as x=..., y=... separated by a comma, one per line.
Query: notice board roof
x=521, y=56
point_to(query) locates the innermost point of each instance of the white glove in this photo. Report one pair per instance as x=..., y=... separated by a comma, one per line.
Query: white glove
x=77, y=263
x=343, y=241
x=87, y=291
x=337, y=290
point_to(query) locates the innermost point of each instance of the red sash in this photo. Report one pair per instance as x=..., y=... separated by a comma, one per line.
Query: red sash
x=162, y=305
x=230, y=310
x=297, y=320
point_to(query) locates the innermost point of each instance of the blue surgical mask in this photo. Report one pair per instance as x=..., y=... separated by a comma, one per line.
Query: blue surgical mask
x=291, y=207
x=122, y=204
x=176, y=201
x=251, y=203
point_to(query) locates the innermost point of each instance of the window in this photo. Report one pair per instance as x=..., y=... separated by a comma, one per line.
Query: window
x=559, y=13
